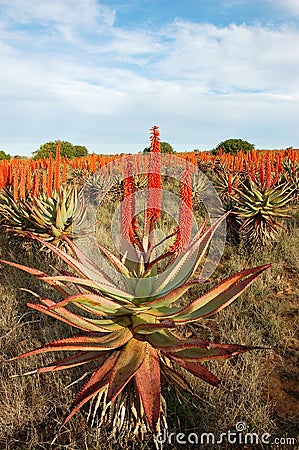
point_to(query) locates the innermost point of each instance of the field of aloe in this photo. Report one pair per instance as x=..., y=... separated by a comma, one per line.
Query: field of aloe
x=146, y=350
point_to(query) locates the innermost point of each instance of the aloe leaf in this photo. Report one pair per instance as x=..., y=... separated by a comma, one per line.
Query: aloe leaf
x=148, y=382
x=214, y=351
x=87, y=263
x=126, y=366
x=177, y=379
x=66, y=316
x=97, y=383
x=218, y=298
x=115, y=261
x=166, y=340
x=172, y=296
x=57, y=285
x=112, y=291
x=148, y=328
x=200, y=371
x=98, y=301
x=96, y=342
x=73, y=361
x=182, y=269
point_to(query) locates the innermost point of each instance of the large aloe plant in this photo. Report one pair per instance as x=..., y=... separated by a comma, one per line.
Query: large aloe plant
x=132, y=332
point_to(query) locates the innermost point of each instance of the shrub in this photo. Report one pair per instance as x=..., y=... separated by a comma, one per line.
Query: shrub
x=232, y=146
x=67, y=149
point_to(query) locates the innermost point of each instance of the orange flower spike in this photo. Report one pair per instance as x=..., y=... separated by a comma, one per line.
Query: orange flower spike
x=128, y=220
x=15, y=183
x=230, y=184
x=262, y=173
x=45, y=182
x=92, y=163
x=35, y=189
x=64, y=172
x=57, y=167
x=268, y=171
x=154, y=178
x=2, y=179
x=50, y=176
x=184, y=228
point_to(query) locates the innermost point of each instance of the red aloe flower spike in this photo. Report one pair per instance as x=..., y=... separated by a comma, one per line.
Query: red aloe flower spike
x=50, y=175
x=262, y=173
x=2, y=179
x=229, y=184
x=45, y=182
x=268, y=171
x=35, y=189
x=184, y=227
x=154, y=179
x=57, y=168
x=128, y=220
x=15, y=183
x=64, y=172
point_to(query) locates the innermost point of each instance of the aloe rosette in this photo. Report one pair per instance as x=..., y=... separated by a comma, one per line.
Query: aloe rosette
x=260, y=211
x=130, y=330
x=134, y=338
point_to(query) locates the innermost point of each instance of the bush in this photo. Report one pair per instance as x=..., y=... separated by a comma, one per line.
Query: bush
x=4, y=155
x=233, y=146
x=67, y=149
x=165, y=148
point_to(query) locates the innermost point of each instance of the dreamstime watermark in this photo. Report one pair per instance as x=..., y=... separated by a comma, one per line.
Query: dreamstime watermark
x=238, y=436
x=101, y=184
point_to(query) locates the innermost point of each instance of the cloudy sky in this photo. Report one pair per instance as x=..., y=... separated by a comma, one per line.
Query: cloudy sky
x=101, y=73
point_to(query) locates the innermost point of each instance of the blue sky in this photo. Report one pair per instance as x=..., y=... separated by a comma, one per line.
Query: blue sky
x=101, y=73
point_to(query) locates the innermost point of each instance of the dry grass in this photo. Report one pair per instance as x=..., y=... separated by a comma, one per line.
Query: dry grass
x=32, y=407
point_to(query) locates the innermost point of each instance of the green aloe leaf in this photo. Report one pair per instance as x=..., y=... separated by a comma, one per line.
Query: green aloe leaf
x=210, y=303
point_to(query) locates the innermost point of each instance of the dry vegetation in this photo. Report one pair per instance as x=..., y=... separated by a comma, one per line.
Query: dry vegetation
x=261, y=388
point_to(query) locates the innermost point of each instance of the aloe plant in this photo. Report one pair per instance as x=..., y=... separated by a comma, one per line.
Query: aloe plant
x=133, y=332
x=47, y=217
x=260, y=210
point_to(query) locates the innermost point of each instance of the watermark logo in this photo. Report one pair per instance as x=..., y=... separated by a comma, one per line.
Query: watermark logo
x=239, y=436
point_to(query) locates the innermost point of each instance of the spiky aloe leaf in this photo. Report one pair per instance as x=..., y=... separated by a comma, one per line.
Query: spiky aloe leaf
x=126, y=366
x=70, y=318
x=183, y=267
x=97, y=383
x=148, y=382
x=214, y=351
x=199, y=371
x=105, y=305
x=217, y=298
x=38, y=273
x=73, y=361
x=91, y=342
x=148, y=328
x=165, y=340
x=113, y=292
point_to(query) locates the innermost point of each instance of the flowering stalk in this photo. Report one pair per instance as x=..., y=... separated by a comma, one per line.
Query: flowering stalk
x=50, y=175
x=154, y=199
x=154, y=178
x=57, y=168
x=128, y=219
x=184, y=228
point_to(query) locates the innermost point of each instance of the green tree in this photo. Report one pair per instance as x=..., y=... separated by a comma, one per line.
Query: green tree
x=67, y=149
x=4, y=155
x=165, y=148
x=233, y=146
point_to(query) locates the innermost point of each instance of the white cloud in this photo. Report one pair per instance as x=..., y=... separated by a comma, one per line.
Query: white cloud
x=291, y=6
x=90, y=81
